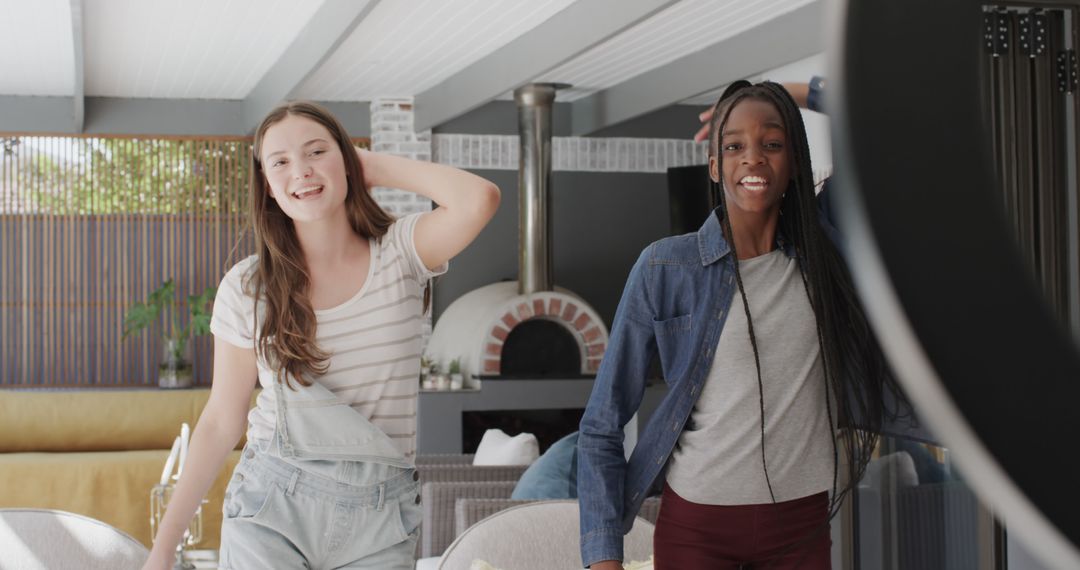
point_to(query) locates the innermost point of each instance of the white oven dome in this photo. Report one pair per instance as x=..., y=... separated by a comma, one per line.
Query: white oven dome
x=475, y=326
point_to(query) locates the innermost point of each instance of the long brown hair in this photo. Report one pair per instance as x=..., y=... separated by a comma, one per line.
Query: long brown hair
x=286, y=338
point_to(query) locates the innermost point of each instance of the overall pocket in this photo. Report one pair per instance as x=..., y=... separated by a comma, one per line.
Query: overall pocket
x=245, y=496
x=411, y=513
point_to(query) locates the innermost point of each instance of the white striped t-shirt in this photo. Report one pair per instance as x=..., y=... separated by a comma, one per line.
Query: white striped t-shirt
x=373, y=339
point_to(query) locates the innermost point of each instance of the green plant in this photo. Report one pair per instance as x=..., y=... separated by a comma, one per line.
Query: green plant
x=455, y=366
x=163, y=300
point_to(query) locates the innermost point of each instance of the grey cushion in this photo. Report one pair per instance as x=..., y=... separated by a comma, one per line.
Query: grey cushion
x=542, y=534
x=469, y=511
x=42, y=539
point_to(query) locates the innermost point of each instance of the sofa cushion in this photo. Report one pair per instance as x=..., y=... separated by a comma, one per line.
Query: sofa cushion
x=112, y=419
x=110, y=486
x=553, y=475
x=497, y=448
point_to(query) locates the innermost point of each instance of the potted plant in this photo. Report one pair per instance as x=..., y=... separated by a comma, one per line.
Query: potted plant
x=439, y=381
x=425, y=371
x=175, y=369
x=455, y=374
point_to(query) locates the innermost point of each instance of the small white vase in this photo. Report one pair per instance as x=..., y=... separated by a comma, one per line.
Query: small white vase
x=442, y=382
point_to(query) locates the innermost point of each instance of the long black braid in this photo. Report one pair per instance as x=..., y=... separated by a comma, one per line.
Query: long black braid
x=856, y=375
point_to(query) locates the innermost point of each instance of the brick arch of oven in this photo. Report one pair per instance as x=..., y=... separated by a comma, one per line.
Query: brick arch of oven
x=573, y=315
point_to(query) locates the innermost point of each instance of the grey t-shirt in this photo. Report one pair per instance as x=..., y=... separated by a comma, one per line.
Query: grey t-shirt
x=717, y=460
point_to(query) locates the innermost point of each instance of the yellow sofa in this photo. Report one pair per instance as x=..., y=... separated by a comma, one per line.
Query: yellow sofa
x=98, y=453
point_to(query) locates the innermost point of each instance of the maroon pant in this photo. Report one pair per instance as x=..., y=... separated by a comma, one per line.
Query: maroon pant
x=780, y=536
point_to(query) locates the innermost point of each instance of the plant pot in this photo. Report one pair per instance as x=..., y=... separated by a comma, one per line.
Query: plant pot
x=175, y=370
x=441, y=381
x=456, y=381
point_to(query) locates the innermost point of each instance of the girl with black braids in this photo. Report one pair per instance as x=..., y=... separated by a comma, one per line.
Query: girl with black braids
x=766, y=352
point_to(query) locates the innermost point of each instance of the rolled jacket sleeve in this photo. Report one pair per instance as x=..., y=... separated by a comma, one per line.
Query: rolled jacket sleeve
x=616, y=395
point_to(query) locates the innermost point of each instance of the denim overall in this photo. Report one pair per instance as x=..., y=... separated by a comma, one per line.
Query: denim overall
x=330, y=490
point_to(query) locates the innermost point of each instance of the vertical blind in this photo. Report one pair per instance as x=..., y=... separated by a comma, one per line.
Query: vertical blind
x=1025, y=104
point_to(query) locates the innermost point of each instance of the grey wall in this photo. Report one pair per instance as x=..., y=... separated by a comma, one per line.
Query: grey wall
x=673, y=122
x=601, y=222
x=500, y=118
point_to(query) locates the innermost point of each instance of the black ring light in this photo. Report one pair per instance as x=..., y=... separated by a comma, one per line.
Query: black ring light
x=963, y=323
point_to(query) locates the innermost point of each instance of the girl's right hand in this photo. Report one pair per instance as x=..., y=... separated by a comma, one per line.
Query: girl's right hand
x=703, y=133
x=607, y=565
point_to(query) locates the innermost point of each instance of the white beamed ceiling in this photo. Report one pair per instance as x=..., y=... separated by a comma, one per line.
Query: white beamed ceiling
x=684, y=28
x=796, y=71
x=404, y=47
x=220, y=49
x=186, y=49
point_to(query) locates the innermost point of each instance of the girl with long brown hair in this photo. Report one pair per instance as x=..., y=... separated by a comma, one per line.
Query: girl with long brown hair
x=327, y=316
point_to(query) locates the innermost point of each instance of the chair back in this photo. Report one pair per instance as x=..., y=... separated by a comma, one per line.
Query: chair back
x=543, y=534
x=43, y=539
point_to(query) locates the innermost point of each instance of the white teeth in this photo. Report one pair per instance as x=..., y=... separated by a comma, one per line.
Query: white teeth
x=306, y=191
x=753, y=181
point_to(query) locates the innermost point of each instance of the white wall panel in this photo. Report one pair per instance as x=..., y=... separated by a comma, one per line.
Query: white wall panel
x=36, y=54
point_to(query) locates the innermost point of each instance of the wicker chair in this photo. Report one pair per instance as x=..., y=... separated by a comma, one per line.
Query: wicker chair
x=439, y=501
x=459, y=472
x=438, y=527
x=444, y=459
x=456, y=494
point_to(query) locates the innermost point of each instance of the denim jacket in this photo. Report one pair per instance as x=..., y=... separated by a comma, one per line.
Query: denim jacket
x=313, y=423
x=675, y=303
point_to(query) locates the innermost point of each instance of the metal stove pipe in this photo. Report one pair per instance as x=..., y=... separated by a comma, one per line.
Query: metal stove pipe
x=534, y=103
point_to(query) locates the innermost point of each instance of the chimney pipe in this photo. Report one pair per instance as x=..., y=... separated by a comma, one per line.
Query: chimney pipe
x=534, y=181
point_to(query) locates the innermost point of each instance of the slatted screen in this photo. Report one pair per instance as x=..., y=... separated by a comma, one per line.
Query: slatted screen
x=90, y=225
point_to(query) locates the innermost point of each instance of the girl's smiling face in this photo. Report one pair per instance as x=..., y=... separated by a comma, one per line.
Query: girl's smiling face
x=304, y=168
x=754, y=162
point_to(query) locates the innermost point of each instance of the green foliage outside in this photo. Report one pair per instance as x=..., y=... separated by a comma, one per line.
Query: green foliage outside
x=86, y=176
x=163, y=300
